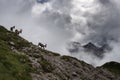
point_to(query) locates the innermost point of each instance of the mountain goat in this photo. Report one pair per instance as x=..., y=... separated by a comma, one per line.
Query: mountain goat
x=17, y=32
x=12, y=28
x=42, y=45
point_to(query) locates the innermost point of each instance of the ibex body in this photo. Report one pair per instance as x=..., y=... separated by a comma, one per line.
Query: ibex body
x=42, y=45
x=12, y=28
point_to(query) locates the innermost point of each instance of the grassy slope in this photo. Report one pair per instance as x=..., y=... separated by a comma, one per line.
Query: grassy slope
x=12, y=65
x=113, y=67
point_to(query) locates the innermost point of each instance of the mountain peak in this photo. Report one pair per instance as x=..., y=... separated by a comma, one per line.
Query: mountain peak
x=95, y=50
x=90, y=45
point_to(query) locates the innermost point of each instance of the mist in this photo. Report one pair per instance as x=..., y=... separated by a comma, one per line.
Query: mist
x=58, y=22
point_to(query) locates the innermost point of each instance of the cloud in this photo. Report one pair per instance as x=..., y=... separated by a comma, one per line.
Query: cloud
x=104, y=2
x=58, y=22
x=40, y=22
x=111, y=56
x=105, y=24
x=42, y=1
x=98, y=24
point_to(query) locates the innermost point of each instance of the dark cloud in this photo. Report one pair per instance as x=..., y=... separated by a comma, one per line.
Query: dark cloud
x=104, y=1
x=73, y=47
x=42, y=1
x=102, y=27
x=105, y=25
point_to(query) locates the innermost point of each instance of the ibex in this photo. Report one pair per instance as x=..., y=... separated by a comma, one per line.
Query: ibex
x=42, y=45
x=11, y=28
x=18, y=32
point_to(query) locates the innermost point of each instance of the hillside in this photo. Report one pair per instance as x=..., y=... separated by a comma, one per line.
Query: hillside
x=113, y=67
x=22, y=60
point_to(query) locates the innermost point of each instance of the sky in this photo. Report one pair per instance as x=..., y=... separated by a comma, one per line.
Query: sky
x=59, y=22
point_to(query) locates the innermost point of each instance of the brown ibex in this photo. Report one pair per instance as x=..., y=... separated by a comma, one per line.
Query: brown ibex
x=42, y=45
x=17, y=32
x=11, y=28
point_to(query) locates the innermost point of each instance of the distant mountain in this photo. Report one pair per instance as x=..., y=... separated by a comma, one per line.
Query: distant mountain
x=42, y=1
x=22, y=60
x=75, y=47
x=97, y=51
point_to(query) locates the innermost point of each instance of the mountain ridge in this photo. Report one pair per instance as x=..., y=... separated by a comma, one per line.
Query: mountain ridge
x=39, y=64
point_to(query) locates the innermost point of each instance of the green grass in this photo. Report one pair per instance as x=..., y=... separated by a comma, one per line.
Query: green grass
x=113, y=67
x=8, y=36
x=13, y=66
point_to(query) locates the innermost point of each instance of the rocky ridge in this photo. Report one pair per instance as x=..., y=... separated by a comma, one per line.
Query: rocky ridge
x=47, y=65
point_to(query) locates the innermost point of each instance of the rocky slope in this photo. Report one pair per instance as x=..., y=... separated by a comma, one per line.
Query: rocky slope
x=22, y=60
